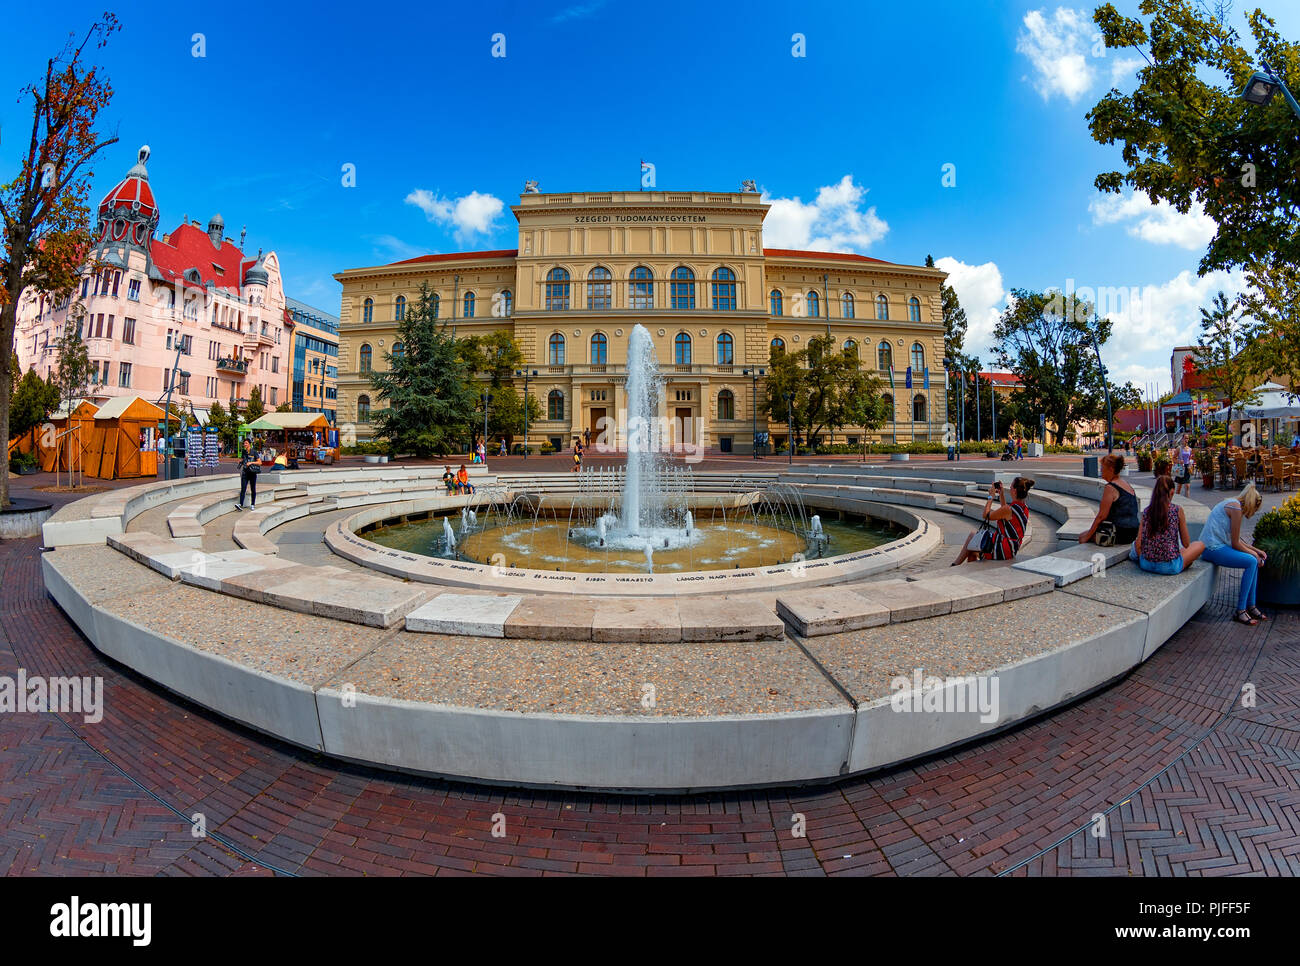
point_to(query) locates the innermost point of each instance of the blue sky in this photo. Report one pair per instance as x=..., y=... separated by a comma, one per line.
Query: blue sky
x=849, y=142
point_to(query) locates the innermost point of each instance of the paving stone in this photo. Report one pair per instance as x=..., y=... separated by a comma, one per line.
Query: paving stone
x=1015, y=584
x=257, y=585
x=967, y=593
x=471, y=614
x=1064, y=570
x=357, y=599
x=907, y=600
x=552, y=617
x=830, y=610
x=626, y=619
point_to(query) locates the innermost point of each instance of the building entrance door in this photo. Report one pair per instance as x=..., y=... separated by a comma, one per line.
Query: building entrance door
x=683, y=427
x=596, y=426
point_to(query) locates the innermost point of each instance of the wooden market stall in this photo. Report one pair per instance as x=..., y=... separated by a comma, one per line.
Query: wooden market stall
x=118, y=446
x=61, y=439
x=303, y=437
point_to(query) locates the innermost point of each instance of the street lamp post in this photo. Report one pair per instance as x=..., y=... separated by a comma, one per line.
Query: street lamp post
x=167, y=413
x=948, y=365
x=754, y=372
x=1105, y=385
x=1264, y=84
x=525, y=375
x=789, y=412
x=487, y=401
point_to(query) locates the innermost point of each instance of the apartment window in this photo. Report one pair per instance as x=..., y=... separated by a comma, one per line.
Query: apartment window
x=814, y=305
x=682, y=288
x=399, y=308
x=918, y=357
x=641, y=288
x=555, y=349
x=128, y=331
x=437, y=304
x=914, y=309
x=600, y=288
x=108, y=332
x=918, y=408
x=117, y=279
x=726, y=405
x=274, y=392
x=507, y=303
x=599, y=349
x=363, y=409
x=186, y=344
x=133, y=290
x=776, y=302
x=882, y=308
x=124, y=375
x=557, y=290
x=846, y=305
x=469, y=305
x=555, y=405
x=183, y=384
x=365, y=357
x=104, y=378
x=85, y=286
x=275, y=362
x=726, y=349
x=724, y=290
x=214, y=350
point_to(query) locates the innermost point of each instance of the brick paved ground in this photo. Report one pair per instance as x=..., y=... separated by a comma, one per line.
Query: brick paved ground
x=1189, y=781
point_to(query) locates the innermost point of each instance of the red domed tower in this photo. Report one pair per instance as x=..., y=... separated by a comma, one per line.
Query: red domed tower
x=128, y=215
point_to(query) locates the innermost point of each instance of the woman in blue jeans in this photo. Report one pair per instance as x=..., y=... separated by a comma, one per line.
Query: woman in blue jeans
x=1225, y=547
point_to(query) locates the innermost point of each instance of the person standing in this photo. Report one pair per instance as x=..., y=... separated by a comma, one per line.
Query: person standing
x=1184, y=477
x=482, y=452
x=501, y=451
x=1225, y=547
x=250, y=465
x=577, y=456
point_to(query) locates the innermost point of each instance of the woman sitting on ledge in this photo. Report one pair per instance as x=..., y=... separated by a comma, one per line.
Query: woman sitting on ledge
x=1002, y=543
x=1163, y=546
x=1225, y=547
x=1119, y=504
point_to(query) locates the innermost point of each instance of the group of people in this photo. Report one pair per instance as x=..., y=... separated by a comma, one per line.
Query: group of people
x=1160, y=542
x=1015, y=448
x=457, y=482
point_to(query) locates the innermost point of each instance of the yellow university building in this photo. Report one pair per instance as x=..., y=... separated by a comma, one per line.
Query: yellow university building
x=691, y=268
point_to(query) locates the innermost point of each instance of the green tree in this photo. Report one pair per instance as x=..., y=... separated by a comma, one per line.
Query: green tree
x=73, y=370
x=1226, y=355
x=429, y=390
x=44, y=217
x=284, y=407
x=829, y=386
x=494, y=356
x=1046, y=340
x=506, y=415
x=254, y=410
x=33, y=401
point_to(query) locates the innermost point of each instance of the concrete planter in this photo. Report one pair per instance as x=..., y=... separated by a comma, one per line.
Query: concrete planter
x=1278, y=589
x=371, y=458
x=23, y=518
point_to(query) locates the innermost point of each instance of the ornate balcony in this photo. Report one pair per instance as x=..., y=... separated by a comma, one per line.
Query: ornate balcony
x=234, y=367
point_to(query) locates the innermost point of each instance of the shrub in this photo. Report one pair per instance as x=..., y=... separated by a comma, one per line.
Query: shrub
x=22, y=461
x=546, y=449
x=1277, y=533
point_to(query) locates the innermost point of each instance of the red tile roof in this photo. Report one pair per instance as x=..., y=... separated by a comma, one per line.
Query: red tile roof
x=459, y=256
x=128, y=192
x=837, y=256
x=189, y=247
x=1001, y=378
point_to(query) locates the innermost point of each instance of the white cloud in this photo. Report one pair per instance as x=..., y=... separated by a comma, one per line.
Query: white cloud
x=469, y=215
x=1124, y=69
x=393, y=247
x=1160, y=223
x=982, y=294
x=579, y=11
x=835, y=221
x=1059, y=47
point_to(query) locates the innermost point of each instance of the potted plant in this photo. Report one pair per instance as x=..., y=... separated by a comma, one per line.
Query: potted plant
x=1205, y=464
x=1144, y=458
x=1277, y=533
x=23, y=464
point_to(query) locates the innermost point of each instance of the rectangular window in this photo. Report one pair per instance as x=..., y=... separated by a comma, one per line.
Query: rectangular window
x=108, y=333
x=275, y=363
x=273, y=395
x=128, y=331
x=117, y=278
x=169, y=339
x=187, y=344
x=183, y=385
x=123, y=375
x=133, y=290
x=104, y=377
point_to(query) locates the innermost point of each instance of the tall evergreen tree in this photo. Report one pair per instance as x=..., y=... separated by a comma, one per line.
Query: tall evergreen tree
x=429, y=391
x=256, y=409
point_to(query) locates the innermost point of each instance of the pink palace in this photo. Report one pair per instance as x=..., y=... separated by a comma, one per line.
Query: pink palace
x=142, y=299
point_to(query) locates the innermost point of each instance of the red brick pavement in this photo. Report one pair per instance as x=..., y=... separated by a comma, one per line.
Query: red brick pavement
x=1191, y=782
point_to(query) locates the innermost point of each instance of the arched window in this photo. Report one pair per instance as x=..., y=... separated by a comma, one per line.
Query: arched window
x=399, y=349
x=776, y=303
x=778, y=345
x=887, y=404
x=555, y=347
x=882, y=308
x=399, y=308
x=364, y=361
x=918, y=358
x=850, y=348
x=363, y=409
x=507, y=303
x=814, y=305
x=682, y=349
x=884, y=356
x=368, y=310
x=726, y=405
x=726, y=349
x=557, y=290
x=846, y=305
x=641, y=288
x=437, y=303
x=918, y=408
x=683, y=288
x=469, y=305
x=555, y=405
x=724, y=290
x=914, y=309
x=600, y=289
x=599, y=349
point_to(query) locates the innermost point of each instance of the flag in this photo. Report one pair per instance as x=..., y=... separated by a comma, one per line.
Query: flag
x=908, y=383
x=891, y=377
x=925, y=376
